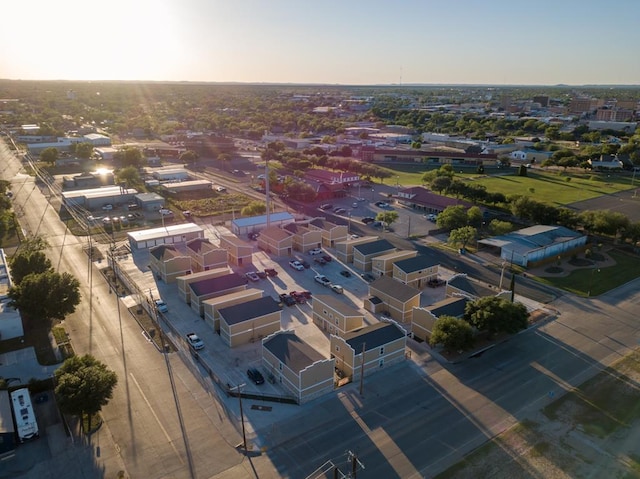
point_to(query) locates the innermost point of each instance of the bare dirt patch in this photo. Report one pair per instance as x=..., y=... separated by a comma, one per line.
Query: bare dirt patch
x=591, y=431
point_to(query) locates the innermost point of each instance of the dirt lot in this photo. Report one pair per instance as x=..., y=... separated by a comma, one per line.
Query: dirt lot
x=590, y=432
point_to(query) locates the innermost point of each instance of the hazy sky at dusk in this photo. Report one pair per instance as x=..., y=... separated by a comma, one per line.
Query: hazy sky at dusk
x=346, y=42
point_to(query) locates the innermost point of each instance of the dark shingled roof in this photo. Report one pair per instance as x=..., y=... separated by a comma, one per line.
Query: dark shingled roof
x=334, y=303
x=373, y=336
x=164, y=252
x=255, y=308
x=394, y=288
x=374, y=247
x=462, y=282
x=213, y=285
x=449, y=307
x=292, y=351
x=323, y=224
x=199, y=245
x=411, y=265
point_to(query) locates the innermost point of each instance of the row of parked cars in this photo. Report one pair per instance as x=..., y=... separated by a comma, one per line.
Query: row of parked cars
x=256, y=276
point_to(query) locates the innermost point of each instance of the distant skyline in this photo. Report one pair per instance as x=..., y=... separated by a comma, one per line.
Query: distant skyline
x=497, y=42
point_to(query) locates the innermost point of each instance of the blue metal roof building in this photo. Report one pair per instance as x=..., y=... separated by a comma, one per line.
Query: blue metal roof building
x=243, y=226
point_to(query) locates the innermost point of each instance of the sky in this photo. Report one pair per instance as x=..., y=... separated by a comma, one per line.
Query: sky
x=351, y=42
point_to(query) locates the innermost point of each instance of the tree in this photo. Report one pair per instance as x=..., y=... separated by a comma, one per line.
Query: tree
x=84, y=385
x=26, y=262
x=84, y=150
x=130, y=176
x=499, y=227
x=189, y=157
x=494, y=315
x=49, y=155
x=225, y=159
x=440, y=183
x=453, y=334
x=452, y=217
x=475, y=217
x=463, y=236
x=128, y=156
x=387, y=217
x=255, y=208
x=300, y=191
x=46, y=296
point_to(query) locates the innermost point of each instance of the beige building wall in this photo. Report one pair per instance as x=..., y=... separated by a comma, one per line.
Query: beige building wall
x=416, y=279
x=197, y=302
x=344, y=249
x=422, y=324
x=212, y=259
x=239, y=252
x=249, y=331
x=364, y=262
x=170, y=269
x=349, y=362
x=307, y=241
x=398, y=310
x=383, y=265
x=333, y=320
x=214, y=305
x=184, y=293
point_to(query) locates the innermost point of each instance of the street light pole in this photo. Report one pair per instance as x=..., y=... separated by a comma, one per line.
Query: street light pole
x=593, y=271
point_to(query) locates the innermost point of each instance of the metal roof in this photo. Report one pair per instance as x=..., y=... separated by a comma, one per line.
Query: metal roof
x=393, y=288
x=337, y=305
x=374, y=336
x=217, y=284
x=449, y=307
x=262, y=219
x=374, y=247
x=169, y=230
x=416, y=263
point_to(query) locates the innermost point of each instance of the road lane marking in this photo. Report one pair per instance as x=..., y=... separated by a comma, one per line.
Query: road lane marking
x=164, y=431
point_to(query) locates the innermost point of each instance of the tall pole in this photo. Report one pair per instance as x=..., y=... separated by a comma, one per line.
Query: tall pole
x=244, y=435
x=266, y=188
x=409, y=227
x=362, y=368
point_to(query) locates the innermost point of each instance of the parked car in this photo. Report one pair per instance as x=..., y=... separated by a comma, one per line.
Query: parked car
x=326, y=206
x=165, y=212
x=327, y=258
x=161, y=306
x=298, y=296
x=432, y=217
x=381, y=204
x=304, y=263
x=336, y=288
x=368, y=219
x=194, y=341
x=287, y=299
x=252, y=276
x=322, y=279
x=253, y=236
x=315, y=251
x=354, y=205
x=220, y=189
x=107, y=207
x=255, y=375
x=261, y=274
x=435, y=283
x=345, y=273
x=307, y=294
x=368, y=277
x=320, y=261
x=339, y=211
x=272, y=273
x=296, y=265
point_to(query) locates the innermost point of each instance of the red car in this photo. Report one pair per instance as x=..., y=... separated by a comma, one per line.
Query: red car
x=298, y=296
x=327, y=258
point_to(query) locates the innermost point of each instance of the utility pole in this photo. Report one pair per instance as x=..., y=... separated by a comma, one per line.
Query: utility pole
x=244, y=435
x=362, y=368
x=409, y=228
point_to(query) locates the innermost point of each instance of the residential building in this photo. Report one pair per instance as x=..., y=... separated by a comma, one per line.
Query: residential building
x=383, y=265
x=363, y=254
x=461, y=285
x=167, y=263
x=334, y=315
x=206, y=256
x=183, y=282
x=239, y=252
x=297, y=366
x=213, y=306
x=435, y=157
x=417, y=271
x=331, y=233
x=392, y=298
x=276, y=241
x=250, y=321
x=424, y=318
x=344, y=248
x=304, y=238
x=382, y=344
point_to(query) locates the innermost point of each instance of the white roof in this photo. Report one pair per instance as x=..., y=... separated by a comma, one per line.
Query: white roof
x=170, y=230
x=99, y=192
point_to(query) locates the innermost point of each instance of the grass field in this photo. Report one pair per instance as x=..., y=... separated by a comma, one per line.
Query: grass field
x=598, y=280
x=552, y=187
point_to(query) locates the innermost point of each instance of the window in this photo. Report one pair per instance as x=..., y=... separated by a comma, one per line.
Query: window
x=337, y=322
x=381, y=350
x=280, y=366
x=324, y=311
x=381, y=363
x=337, y=348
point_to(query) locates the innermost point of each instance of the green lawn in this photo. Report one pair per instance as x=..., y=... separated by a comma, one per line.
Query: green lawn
x=599, y=280
x=551, y=187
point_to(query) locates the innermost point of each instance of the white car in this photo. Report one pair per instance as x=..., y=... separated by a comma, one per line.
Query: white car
x=107, y=207
x=252, y=276
x=297, y=265
x=194, y=341
x=165, y=212
x=336, y=288
x=315, y=251
x=322, y=279
x=161, y=306
x=220, y=189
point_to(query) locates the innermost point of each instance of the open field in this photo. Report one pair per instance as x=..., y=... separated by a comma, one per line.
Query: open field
x=598, y=280
x=591, y=431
